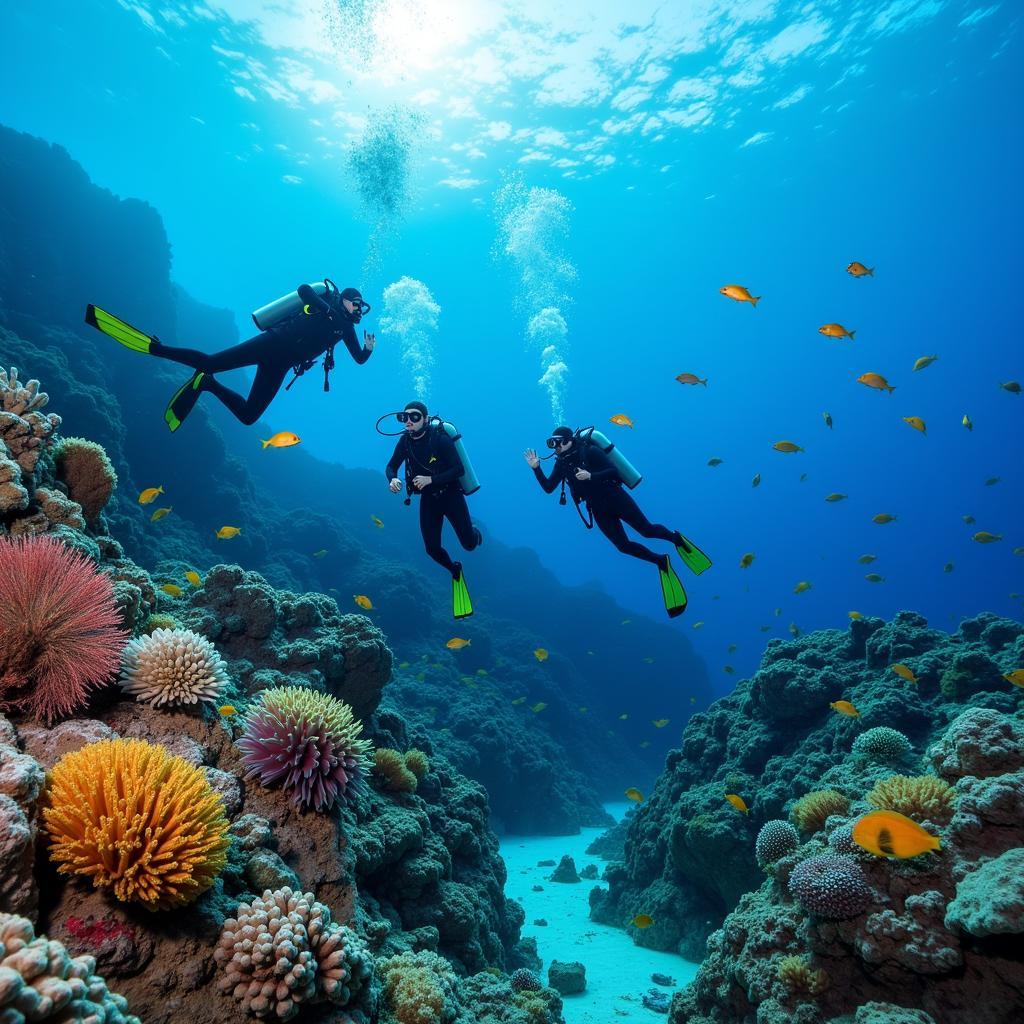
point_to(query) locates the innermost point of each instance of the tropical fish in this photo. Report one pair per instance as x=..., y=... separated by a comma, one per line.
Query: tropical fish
x=403, y=664
x=149, y=495
x=635, y=795
x=827, y=417
x=778, y=612
x=876, y=381
x=194, y=578
x=173, y=589
x=844, y=707
x=867, y=559
x=620, y=419
x=948, y=567
x=537, y=708
x=756, y=481
x=698, y=625
x=859, y=270
x=691, y=378
x=728, y=669
x=714, y=462
x=659, y=723
x=1012, y=386
x=519, y=700
x=882, y=518
x=873, y=577
x=481, y=671
x=623, y=717
x=740, y=294
x=992, y=481
x=794, y=630
x=646, y=743
x=282, y=439
x=747, y=560
x=984, y=537
x=891, y=834
x=836, y=331
x=1018, y=551
x=904, y=672
x=801, y=587
x=642, y=921
x=737, y=802
x=803, y=477
x=855, y=615
x=625, y=622
x=916, y=422
x=227, y=532
x=733, y=647
x=924, y=361
x=320, y=554
x=1016, y=677
x=160, y=513
x=227, y=710
x=835, y=496
x=966, y=421
x=379, y=523
x=457, y=643
x=968, y=519
x=541, y=654
x=764, y=629
x=363, y=601
x=787, y=446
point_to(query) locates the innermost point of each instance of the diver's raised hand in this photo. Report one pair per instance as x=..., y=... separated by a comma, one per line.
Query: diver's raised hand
x=419, y=482
x=369, y=340
x=531, y=457
x=582, y=474
x=395, y=485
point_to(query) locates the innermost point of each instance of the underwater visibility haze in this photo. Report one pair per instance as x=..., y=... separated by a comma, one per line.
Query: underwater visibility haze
x=439, y=436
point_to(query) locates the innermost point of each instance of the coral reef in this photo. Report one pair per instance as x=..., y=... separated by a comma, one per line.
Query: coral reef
x=172, y=666
x=921, y=797
x=525, y=980
x=776, y=839
x=419, y=988
x=137, y=821
x=417, y=762
x=391, y=772
x=799, y=977
x=84, y=468
x=811, y=812
x=882, y=744
x=21, y=782
x=833, y=887
x=25, y=432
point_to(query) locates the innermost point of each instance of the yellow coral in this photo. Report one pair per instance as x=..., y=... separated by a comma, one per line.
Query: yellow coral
x=417, y=762
x=158, y=620
x=417, y=987
x=137, y=821
x=795, y=973
x=921, y=797
x=390, y=772
x=810, y=811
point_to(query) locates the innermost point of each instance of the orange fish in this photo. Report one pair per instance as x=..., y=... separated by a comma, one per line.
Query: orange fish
x=737, y=802
x=620, y=419
x=457, y=643
x=876, y=381
x=836, y=331
x=691, y=378
x=844, y=707
x=904, y=672
x=891, y=834
x=787, y=446
x=740, y=294
x=282, y=439
x=859, y=270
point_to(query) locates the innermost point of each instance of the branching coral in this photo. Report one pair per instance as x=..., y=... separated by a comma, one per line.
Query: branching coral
x=58, y=631
x=25, y=430
x=921, y=797
x=137, y=821
x=811, y=811
x=390, y=772
x=419, y=988
x=796, y=974
x=41, y=981
x=307, y=741
x=775, y=840
x=882, y=744
x=283, y=950
x=832, y=887
x=87, y=472
x=172, y=666
x=417, y=762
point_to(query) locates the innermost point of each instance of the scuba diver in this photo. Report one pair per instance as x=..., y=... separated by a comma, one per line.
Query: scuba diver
x=438, y=469
x=295, y=331
x=595, y=471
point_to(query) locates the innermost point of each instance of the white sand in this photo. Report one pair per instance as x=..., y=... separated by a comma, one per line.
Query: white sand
x=618, y=972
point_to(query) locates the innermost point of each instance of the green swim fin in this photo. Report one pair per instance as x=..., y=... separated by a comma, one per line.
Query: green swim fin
x=672, y=589
x=117, y=329
x=462, y=606
x=693, y=558
x=184, y=401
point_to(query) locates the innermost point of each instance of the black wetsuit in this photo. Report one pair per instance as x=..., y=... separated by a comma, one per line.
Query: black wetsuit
x=302, y=339
x=432, y=453
x=609, y=502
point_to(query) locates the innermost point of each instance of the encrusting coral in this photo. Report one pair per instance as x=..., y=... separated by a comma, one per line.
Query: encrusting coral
x=799, y=978
x=171, y=667
x=391, y=773
x=419, y=988
x=921, y=797
x=137, y=821
x=306, y=740
x=833, y=887
x=87, y=473
x=283, y=950
x=811, y=811
x=59, y=635
x=41, y=981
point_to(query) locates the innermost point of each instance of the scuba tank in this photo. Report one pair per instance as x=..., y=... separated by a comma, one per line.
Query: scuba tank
x=628, y=473
x=468, y=481
x=276, y=312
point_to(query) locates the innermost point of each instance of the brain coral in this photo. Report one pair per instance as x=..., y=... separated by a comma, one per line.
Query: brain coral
x=41, y=981
x=59, y=635
x=882, y=744
x=137, y=821
x=832, y=887
x=283, y=950
x=921, y=797
x=775, y=840
x=172, y=666
x=85, y=469
x=306, y=740
x=811, y=811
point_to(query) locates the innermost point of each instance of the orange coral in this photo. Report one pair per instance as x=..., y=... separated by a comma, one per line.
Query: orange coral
x=811, y=811
x=795, y=973
x=921, y=797
x=137, y=821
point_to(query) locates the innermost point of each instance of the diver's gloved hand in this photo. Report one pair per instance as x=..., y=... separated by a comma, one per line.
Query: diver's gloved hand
x=420, y=482
x=531, y=457
x=369, y=340
x=582, y=474
x=395, y=486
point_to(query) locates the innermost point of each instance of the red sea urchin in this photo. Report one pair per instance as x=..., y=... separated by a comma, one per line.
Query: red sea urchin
x=308, y=742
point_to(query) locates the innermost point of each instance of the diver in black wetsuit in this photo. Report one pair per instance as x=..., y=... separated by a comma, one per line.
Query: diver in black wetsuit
x=432, y=470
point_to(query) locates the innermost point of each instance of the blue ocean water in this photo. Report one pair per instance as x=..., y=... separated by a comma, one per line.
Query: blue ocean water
x=568, y=191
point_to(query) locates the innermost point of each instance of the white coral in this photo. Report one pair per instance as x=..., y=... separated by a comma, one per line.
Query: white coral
x=172, y=666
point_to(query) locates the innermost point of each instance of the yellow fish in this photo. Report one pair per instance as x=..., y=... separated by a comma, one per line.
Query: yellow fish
x=481, y=671
x=867, y=559
x=740, y=294
x=149, y=495
x=379, y=523
x=625, y=622
x=363, y=601
x=827, y=417
x=916, y=422
x=836, y=496
x=227, y=710
x=173, y=589
x=160, y=513
x=787, y=446
x=1018, y=551
x=519, y=700
x=924, y=361
x=1016, y=677
x=801, y=587
x=882, y=518
x=457, y=643
x=540, y=654
x=891, y=834
x=873, y=577
x=859, y=270
x=620, y=419
x=747, y=560
x=282, y=439
x=403, y=664
x=756, y=481
x=855, y=615
x=194, y=578
x=538, y=707
x=659, y=723
x=642, y=921
x=691, y=378
x=876, y=381
x=635, y=795
x=844, y=707
x=836, y=331
x=904, y=672
x=320, y=554
x=1012, y=386
x=623, y=717
x=968, y=519
x=737, y=802
x=984, y=537
x=698, y=625
x=648, y=661
x=227, y=532
x=583, y=711
x=966, y=421
x=646, y=743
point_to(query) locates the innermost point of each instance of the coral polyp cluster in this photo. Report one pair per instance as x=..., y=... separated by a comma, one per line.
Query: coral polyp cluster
x=776, y=839
x=391, y=772
x=810, y=812
x=833, y=887
x=137, y=821
x=172, y=666
x=921, y=797
x=800, y=978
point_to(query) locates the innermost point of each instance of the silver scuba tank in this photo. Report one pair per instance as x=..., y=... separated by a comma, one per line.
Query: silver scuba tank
x=468, y=481
x=288, y=305
x=628, y=473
